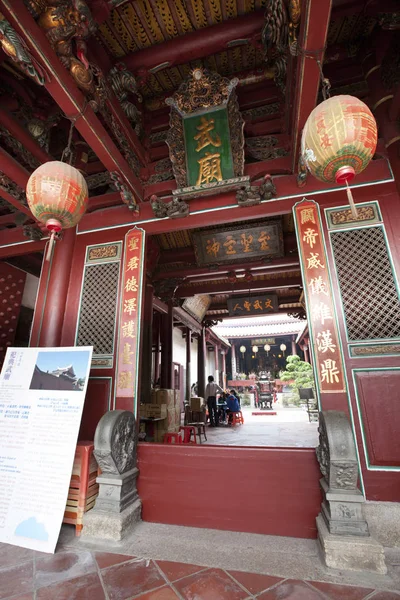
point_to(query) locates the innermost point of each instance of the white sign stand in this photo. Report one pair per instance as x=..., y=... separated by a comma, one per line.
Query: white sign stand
x=42, y=393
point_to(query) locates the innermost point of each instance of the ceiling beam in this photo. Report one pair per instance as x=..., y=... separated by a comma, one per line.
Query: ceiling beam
x=197, y=44
x=13, y=243
x=312, y=41
x=187, y=291
x=67, y=95
x=266, y=265
x=224, y=209
x=22, y=134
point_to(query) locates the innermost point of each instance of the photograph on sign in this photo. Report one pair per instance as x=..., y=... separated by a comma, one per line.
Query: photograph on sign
x=49, y=375
x=42, y=394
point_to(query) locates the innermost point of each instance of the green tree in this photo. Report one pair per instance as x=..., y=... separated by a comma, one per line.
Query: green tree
x=299, y=373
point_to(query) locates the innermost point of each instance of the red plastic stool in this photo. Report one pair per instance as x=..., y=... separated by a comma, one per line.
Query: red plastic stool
x=187, y=434
x=172, y=438
x=237, y=417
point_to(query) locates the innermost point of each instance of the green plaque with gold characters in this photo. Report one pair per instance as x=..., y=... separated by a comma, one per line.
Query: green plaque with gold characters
x=208, y=147
x=205, y=139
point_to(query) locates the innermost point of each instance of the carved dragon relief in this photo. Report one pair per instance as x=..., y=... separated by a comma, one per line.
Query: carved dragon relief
x=16, y=49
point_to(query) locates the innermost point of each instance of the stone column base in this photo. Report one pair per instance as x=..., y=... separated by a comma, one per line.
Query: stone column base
x=106, y=525
x=350, y=552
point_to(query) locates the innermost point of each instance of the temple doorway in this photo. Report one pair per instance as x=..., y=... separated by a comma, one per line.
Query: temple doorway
x=238, y=315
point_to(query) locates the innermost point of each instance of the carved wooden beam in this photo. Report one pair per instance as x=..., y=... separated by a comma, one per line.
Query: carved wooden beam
x=197, y=44
x=312, y=41
x=67, y=95
x=292, y=280
x=21, y=134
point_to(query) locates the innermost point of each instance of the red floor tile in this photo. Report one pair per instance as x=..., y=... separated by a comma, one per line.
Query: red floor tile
x=165, y=593
x=16, y=580
x=292, y=589
x=105, y=559
x=14, y=555
x=254, y=582
x=338, y=592
x=212, y=584
x=174, y=570
x=63, y=565
x=131, y=579
x=87, y=587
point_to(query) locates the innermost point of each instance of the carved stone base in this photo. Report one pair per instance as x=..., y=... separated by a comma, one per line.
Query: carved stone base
x=352, y=553
x=106, y=525
x=342, y=511
x=116, y=492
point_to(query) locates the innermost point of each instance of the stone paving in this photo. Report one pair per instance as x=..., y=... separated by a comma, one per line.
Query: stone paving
x=290, y=427
x=73, y=574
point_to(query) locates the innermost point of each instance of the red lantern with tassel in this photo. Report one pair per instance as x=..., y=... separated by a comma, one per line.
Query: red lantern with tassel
x=57, y=195
x=339, y=140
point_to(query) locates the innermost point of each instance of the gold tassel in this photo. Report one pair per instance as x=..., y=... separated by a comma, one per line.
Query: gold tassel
x=350, y=198
x=50, y=246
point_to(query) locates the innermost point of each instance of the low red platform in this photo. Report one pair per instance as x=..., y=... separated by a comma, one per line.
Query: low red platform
x=258, y=413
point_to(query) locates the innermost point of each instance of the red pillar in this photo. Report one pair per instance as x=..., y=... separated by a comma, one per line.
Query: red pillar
x=233, y=360
x=52, y=317
x=216, y=363
x=157, y=352
x=223, y=352
x=147, y=344
x=166, y=348
x=188, y=360
x=201, y=363
x=294, y=348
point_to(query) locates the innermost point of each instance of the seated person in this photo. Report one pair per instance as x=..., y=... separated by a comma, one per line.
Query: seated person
x=233, y=405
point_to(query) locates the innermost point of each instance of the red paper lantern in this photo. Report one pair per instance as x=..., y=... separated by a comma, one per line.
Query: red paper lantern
x=57, y=195
x=339, y=140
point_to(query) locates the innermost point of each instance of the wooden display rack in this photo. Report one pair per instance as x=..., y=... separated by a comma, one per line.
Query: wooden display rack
x=83, y=489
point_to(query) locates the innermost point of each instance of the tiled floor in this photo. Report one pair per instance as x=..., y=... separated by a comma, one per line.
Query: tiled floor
x=84, y=575
x=289, y=427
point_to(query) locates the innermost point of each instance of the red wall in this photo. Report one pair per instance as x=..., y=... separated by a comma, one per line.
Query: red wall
x=12, y=283
x=272, y=491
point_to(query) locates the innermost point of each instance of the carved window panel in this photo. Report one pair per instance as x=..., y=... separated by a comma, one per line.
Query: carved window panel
x=98, y=308
x=367, y=284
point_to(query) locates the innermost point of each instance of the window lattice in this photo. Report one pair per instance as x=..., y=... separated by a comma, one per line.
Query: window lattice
x=98, y=306
x=370, y=299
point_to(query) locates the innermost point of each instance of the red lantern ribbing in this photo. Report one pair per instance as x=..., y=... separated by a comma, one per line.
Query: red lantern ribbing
x=339, y=140
x=57, y=195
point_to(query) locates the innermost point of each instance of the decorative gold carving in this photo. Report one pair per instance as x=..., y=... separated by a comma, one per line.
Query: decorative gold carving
x=101, y=252
x=264, y=147
x=203, y=89
x=126, y=195
x=123, y=84
x=372, y=350
x=364, y=213
x=16, y=49
x=275, y=39
x=294, y=14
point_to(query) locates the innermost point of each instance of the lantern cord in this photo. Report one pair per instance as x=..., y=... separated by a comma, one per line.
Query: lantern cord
x=325, y=83
x=50, y=246
x=67, y=152
x=350, y=198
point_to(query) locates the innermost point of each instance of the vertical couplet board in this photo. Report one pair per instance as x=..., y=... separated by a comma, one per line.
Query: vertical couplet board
x=130, y=321
x=327, y=357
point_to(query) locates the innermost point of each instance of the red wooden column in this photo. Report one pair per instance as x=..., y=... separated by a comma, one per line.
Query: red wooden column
x=216, y=363
x=201, y=364
x=223, y=352
x=233, y=360
x=52, y=295
x=166, y=348
x=157, y=324
x=294, y=348
x=306, y=356
x=188, y=360
x=147, y=344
